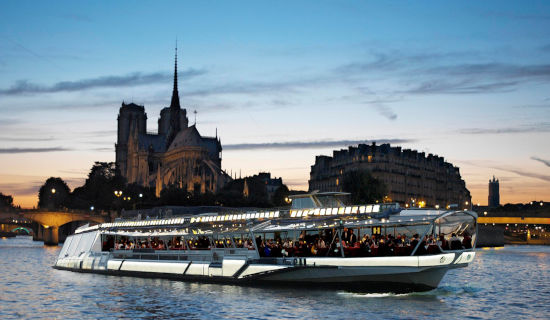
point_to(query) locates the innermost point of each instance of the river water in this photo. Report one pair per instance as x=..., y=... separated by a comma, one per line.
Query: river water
x=510, y=283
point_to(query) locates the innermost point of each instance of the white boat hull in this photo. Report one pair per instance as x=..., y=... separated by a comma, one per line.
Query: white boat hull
x=396, y=274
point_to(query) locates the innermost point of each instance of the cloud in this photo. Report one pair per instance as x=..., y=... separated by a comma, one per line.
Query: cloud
x=29, y=139
x=538, y=127
x=9, y=122
x=443, y=73
x=460, y=87
x=383, y=109
x=21, y=189
x=308, y=144
x=546, y=162
x=525, y=173
x=104, y=149
x=137, y=78
x=31, y=150
x=496, y=70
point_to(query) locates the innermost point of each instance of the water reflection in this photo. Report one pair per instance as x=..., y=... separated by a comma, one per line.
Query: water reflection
x=507, y=283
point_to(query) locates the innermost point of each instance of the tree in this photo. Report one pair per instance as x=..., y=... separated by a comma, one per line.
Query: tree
x=6, y=201
x=174, y=196
x=280, y=196
x=98, y=190
x=364, y=188
x=53, y=194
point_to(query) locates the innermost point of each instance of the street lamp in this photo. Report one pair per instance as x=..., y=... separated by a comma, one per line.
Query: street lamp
x=118, y=193
x=53, y=190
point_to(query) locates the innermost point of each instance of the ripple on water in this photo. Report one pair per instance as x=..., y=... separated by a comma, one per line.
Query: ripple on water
x=504, y=284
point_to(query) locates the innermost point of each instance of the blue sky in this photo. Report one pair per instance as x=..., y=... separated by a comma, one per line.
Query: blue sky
x=468, y=81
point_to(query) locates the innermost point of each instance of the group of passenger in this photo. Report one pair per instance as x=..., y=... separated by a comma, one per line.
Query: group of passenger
x=155, y=243
x=325, y=243
x=369, y=245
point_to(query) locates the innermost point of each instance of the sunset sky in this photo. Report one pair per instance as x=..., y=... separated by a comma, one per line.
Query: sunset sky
x=282, y=82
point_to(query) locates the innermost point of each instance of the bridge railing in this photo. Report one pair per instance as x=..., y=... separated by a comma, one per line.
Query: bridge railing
x=66, y=210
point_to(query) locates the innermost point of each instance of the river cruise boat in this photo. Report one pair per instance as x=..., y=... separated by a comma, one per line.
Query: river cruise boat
x=318, y=241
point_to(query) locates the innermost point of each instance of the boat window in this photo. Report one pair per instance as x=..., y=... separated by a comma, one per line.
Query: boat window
x=330, y=201
x=456, y=231
x=300, y=203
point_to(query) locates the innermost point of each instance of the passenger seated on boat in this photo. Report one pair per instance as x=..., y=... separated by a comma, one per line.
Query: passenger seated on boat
x=467, y=241
x=365, y=239
x=442, y=242
x=303, y=249
x=267, y=251
x=456, y=244
x=334, y=249
x=320, y=244
x=314, y=250
x=352, y=238
x=414, y=240
x=422, y=248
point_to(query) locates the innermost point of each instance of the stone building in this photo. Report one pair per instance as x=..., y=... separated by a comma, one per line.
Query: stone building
x=410, y=176
x=177, y=155
x=271, y=184
x=494, y=193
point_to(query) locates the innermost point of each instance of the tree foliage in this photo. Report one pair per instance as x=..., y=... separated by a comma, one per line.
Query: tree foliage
x=364, y=188
x=280, y=196
x=98, y=190
x=6, y=201
x=54, y=194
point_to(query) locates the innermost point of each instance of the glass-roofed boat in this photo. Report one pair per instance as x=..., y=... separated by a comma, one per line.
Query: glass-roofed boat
x=318, y=241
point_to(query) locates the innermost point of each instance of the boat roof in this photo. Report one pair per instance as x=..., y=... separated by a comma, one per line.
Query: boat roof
x=277, y=220
x=318, y=194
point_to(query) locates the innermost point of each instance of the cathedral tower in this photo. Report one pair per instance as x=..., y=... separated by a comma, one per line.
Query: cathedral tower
x=130, y=115
x=173, y=119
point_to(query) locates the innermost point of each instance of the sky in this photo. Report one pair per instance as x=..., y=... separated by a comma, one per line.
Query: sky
x=281, y=82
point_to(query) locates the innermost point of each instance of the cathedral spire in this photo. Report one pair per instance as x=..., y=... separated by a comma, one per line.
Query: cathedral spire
x=175, y=103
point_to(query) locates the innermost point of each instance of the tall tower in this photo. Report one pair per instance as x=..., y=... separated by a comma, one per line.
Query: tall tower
x=130, y=116
x=494, y=193
x=177, y=117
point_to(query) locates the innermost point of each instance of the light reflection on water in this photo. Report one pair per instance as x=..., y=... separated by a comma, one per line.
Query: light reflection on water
x=510, y=283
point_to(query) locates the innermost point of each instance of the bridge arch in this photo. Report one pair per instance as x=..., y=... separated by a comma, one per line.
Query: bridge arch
x=50, y=221
x=22, y=228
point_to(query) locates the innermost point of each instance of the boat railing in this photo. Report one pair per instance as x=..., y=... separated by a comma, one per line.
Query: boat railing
x=211, y=255
x=285, y=261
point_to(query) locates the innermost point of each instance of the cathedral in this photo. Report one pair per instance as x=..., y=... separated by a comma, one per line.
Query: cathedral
x=178, y=155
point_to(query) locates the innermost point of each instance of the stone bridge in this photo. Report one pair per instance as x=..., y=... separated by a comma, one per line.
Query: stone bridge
x=50, y=221
x=492, y=230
